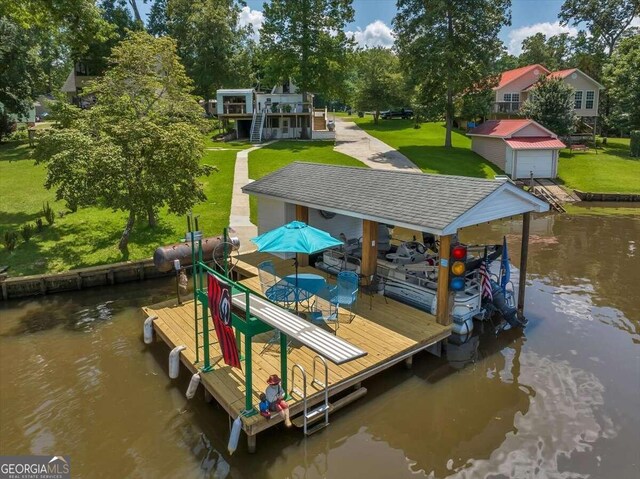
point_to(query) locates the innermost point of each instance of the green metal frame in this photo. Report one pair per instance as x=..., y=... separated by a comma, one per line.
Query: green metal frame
x=245, y=324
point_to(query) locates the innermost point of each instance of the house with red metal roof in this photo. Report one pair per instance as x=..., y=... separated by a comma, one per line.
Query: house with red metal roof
x=521, y=148
x=516, y=85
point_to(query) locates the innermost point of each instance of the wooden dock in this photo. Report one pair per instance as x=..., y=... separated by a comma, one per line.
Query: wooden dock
x=388, y=331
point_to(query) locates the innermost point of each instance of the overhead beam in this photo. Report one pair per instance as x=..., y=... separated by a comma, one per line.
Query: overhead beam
x=302, y=214
x=443, y=315
x=369, y=262
x=524, y=253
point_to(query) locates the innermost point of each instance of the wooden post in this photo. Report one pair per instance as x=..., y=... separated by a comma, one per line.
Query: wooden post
x=302, y=214
x=251, y=443
x=369, y=248
x=443, y=315
x=524, y=252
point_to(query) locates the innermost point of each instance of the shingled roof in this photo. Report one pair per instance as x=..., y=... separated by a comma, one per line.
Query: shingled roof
x=434, y=203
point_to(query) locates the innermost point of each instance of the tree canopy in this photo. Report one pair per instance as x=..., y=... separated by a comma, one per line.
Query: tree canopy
x=138, y=148
x=304, y=40
x=622, y=78
x=553, y=52
x=450, y=48
x=378, y=84
x=214, y=48
x=550, y=103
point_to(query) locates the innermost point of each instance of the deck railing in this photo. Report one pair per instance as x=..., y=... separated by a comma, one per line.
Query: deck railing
x=288, y=107
x=506, y=106
x=235, y=108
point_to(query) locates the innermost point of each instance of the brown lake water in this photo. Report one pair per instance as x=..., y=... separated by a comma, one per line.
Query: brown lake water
x=559, y=400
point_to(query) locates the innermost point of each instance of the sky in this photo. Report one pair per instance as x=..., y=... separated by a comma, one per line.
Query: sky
x=373, y=21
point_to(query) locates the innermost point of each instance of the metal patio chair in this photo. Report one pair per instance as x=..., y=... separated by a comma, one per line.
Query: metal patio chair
x=323, y=310
x=346, y=292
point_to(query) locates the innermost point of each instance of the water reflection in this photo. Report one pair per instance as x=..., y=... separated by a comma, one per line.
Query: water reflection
x=560, y=400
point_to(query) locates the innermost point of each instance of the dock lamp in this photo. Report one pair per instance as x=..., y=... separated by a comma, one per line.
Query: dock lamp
x=458, y=268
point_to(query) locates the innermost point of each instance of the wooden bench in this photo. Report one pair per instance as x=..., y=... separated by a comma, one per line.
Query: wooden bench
x=578, y=147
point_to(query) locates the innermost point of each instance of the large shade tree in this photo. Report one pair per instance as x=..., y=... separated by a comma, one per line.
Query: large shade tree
x=378, y=82
x=138, y=149
x=214, y=48
x=449, y=48
x=304, y=40
x=550, y=103
x=622, y=78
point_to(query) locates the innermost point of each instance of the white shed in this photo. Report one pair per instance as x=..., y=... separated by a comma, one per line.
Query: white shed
x=519, y=147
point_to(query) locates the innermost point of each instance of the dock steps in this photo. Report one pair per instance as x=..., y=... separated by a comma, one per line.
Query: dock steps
x=333, y=407
x=546, y=191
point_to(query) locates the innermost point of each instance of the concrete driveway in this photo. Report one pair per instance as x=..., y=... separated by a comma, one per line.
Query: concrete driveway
x=354, y=141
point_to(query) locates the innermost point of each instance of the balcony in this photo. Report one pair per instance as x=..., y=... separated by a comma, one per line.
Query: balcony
x=235, y=108
x=288, y=107
x=506, y=106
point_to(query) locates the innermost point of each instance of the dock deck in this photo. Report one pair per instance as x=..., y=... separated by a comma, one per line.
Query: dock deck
x=388, y=331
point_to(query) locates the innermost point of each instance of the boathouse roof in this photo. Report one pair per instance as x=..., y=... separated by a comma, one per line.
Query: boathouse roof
x=438, y=204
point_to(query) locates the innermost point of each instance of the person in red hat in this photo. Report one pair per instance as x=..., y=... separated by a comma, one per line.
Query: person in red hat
x=275, y=397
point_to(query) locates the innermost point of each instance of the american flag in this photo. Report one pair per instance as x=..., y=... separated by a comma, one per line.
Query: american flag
x=485, y=282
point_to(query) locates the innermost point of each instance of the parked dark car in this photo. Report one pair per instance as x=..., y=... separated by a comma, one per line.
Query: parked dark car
x=403, y=113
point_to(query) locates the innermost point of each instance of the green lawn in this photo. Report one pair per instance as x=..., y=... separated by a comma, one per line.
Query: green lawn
x=89, y=236
x=609, y=170
x=279, y=154
x=424, y=147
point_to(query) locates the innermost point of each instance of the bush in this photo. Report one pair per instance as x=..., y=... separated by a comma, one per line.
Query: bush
x=635, y=143
x=10, y=240
x=39, y=225
x=27, y=231
x=48, y=213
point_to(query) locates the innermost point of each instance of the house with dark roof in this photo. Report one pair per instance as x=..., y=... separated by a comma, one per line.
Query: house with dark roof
x=515, y=86
x=522, y=148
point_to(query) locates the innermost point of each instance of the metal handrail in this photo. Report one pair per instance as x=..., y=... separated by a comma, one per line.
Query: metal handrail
x=325, y=385
x=302, y=393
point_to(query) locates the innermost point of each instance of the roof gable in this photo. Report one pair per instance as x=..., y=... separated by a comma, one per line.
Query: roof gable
x=507, y=128
x=424, y=202
x=512, y=75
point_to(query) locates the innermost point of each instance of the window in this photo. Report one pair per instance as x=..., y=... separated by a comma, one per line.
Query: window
x=577, y=103
x=588, y=104
x=506, y=97
x=511, y=97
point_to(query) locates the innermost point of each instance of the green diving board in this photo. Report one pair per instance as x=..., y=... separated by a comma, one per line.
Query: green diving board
x=335, y=349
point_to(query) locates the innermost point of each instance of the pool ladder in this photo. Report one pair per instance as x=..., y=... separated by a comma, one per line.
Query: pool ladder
x=323, y=409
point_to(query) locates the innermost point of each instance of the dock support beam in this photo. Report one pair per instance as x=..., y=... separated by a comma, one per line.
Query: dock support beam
x=302, y=214
x=369, y=248
x=442, y=313
x=408, y=362
x=524, y=253
x=251, y=443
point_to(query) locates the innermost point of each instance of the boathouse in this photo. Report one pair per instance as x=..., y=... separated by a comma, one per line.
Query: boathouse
x=316, y=366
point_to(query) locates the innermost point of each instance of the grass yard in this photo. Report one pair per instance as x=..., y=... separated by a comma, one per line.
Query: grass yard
x=424, y=147
x=89, y=236
x=279, y=154
x=611, y=170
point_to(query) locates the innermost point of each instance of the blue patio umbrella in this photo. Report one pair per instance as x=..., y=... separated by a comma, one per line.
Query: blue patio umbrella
x=295, y=237
x=505, y=267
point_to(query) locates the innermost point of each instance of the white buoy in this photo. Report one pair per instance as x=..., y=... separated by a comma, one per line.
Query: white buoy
x=193, y=386
x=235, y=435
x=148, y=329
x=174, y=361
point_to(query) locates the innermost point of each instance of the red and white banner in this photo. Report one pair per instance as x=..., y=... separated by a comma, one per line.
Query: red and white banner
x=219, y=294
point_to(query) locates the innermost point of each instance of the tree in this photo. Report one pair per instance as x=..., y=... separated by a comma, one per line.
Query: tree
x=378, y=82
x=606, y=20
x=550, y=103
x=553, y=52
x=19, y=69
x=450, y=47
x=304, y=40
x=138, y=149
x=622, y=78
x=476, y=105
x=212, y=45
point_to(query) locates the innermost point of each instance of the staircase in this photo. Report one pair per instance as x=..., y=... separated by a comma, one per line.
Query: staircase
x=256, y=127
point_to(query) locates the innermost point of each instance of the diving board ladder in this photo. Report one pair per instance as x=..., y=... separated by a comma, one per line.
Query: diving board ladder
x=321, y=410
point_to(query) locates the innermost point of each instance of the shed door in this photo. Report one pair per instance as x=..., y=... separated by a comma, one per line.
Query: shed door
x=538, y=161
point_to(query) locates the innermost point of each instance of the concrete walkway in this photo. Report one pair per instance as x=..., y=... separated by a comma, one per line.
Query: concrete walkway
x=239, y=218
x=354, y=141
